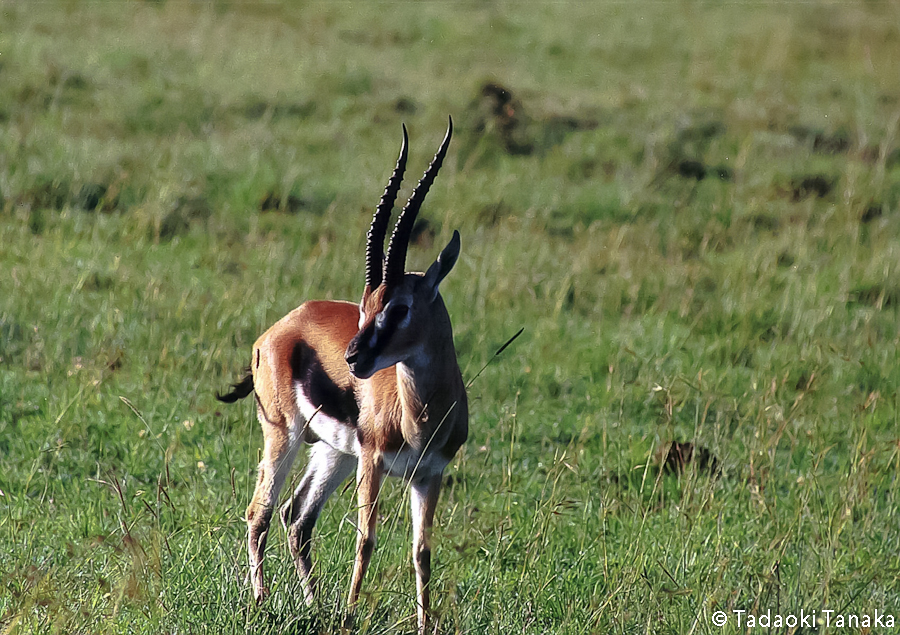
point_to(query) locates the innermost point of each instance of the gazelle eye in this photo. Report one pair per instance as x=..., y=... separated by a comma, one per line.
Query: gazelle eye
x=395, y=314
x=399, y=312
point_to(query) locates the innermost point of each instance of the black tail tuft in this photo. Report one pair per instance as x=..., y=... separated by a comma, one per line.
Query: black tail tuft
x=239, y=390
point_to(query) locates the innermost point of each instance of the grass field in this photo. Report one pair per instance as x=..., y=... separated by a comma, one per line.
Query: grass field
x=693, y=209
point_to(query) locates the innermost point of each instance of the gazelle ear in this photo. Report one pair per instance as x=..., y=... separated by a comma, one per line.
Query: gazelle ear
x=442, y=266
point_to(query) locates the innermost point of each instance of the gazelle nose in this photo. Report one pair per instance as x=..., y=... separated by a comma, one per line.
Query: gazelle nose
x=351, y=355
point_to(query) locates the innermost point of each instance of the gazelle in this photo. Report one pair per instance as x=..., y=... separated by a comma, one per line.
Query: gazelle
x=374, y=387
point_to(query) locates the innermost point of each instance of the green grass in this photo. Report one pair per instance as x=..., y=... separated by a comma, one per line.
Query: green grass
x=176, y=176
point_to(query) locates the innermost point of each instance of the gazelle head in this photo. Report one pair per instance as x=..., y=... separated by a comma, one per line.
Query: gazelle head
x=399, y=311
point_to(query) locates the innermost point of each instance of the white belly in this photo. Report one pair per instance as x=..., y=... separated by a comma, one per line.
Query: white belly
x=339, y=435
x=409, y=464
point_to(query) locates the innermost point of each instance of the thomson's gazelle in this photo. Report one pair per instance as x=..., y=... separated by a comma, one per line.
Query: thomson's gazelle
x=375, y=388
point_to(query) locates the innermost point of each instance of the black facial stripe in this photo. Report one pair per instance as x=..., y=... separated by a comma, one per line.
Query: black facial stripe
x=335, y=401
x=384, y=334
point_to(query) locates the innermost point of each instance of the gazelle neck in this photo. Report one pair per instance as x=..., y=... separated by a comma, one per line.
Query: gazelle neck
x=428, y=385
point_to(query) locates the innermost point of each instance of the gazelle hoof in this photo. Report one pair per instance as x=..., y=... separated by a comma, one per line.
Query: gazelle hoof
x=261, y=594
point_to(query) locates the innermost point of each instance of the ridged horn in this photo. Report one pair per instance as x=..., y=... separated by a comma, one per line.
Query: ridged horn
x=378, y=228
x=396, y=256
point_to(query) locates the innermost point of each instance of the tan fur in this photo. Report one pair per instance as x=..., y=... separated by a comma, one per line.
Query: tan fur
x=327, y=327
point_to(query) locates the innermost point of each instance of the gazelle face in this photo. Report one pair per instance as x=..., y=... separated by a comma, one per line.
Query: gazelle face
x=395, y=322
x=386, y=332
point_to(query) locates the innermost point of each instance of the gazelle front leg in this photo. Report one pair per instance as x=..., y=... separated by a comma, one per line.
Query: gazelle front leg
x=278, y=456
x=368, y=479
x=423, y=501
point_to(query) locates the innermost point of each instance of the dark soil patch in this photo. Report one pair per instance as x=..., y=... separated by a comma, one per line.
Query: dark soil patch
x=822, y=142
x=555, y=129
x=290, y=204
x=406, y=106
x=702, y=132
x=675, y=457
x=785, y=259
x=763, y=222
x=294, y=202
x=54, y=194
x=691, y=169
x=723, y=172
x=96, y=197
x=818, y=185
x=873, y=212
x=496, y=113
x=491, y=214
x=423, y=233
x=837, y=143
x=875, y=295
x=690, y=143
x=257, y=109
x=46, y=193
x=501, y=113
x=694, y=136
x=185, y=211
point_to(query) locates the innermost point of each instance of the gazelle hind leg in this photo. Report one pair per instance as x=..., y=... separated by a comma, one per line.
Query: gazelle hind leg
x=423, y=502
x=278, y=456
x=326, y=470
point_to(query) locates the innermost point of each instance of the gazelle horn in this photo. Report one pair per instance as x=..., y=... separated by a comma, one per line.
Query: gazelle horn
x=378, y=229
x=396, y=256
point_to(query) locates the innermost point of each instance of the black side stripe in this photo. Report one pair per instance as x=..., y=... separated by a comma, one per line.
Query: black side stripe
x=332, y=400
